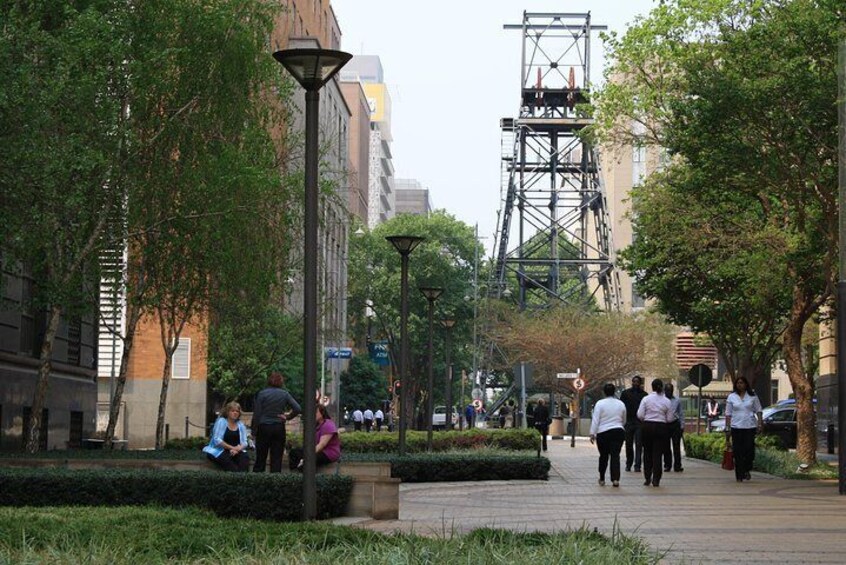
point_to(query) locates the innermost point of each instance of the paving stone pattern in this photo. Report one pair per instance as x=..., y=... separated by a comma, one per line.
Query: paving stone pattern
x=700, y=515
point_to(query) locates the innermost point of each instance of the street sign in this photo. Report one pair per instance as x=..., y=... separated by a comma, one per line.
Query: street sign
x=338, y=352
x=579, y=384
x=567, y=375
x=699, y=375
x=476, y=393
x=477, y=404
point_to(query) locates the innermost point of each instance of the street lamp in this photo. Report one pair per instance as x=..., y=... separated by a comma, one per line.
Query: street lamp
x=312, y=68
x=431, y=294
x=447, y=325
x=404, y=244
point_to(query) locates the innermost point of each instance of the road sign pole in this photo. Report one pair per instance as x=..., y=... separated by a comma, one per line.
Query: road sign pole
x=699, y=404
x=575, y=419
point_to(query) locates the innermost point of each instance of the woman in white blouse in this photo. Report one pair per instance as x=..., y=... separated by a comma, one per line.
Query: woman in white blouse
x=743, y=418
x=607, y=429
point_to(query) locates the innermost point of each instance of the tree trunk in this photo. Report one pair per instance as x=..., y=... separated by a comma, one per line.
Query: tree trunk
x=114, y=409
x=44, y=369
x=160, y=420
x=803, y=390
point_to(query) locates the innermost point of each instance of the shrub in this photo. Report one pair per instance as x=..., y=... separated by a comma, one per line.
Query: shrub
x=363, y=442
x=423, y=468
x=195, y=443
x=247, y=495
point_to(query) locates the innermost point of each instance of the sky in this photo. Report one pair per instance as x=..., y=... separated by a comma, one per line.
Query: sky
x=453, y=72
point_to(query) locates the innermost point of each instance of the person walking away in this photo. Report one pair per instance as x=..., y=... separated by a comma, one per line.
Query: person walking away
x=469, y=416
x=328, y=443
x=227, y=447
x=368, y=419
x=608, y=430
x=675, y=430
x=541, y=416
x=272, y=408
x=378, y=417
x=632, y=397
x=358, y=419
x=743, y=417
x=655, y=412
x=503, y=416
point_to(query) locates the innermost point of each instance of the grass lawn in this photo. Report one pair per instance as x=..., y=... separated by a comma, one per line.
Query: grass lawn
x=155, y=535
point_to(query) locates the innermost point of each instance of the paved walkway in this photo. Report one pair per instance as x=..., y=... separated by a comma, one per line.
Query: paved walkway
x=700, y=515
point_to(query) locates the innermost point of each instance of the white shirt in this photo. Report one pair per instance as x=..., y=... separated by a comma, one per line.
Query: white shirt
x=742, y=410
x=656, y=408
x=608, y=414
x=368, y=414
x=380, y=415
x=358, y=416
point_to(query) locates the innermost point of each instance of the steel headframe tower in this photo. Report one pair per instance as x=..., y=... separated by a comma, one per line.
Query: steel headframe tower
x=551, y=175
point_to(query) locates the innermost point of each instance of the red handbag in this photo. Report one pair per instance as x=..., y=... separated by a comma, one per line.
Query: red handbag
x=728, y=458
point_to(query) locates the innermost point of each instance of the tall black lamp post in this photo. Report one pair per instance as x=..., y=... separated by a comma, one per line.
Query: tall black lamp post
x=447, y=325
x=431, y=294
x=841, y=284
x=312, y=68
x=404, y=244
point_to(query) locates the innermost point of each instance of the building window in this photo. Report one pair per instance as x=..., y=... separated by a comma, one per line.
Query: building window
x=638, y=164
x=774, y=390
x=181, y=366
x=75, y=429
x=637, y=299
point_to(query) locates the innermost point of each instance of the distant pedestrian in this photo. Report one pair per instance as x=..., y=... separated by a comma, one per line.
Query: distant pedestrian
x=608, y=430
x=378, y=417
x=541, y=416
x=503, y=415
x=368, y=419
x=632, y=397
x=358, y=419
x=273, y=407
x=511, y=417
x=712, y=411
x=743, y=418
x=675, y=430
x=655, y=412
x=470, y=415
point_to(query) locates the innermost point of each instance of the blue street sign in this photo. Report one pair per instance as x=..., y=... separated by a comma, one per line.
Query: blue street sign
x=379, y=353
x=338, y=352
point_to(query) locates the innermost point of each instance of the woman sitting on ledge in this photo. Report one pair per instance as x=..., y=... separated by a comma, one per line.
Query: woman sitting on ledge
x=228, y=445
x=328, y=449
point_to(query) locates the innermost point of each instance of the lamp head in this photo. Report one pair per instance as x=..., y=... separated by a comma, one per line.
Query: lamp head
x=312, y=68
x=405, y=244
x=431, y=293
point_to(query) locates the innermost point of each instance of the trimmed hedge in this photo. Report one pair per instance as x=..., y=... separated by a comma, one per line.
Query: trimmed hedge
x=711, y=446
x=459, y=467
x=385, y=442
x=244, y=495
x=196, y=442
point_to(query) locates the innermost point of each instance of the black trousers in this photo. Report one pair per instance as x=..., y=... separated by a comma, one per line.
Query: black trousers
x=240, y=463
x=655, y=437
x=609, y=444
x=672, y=457
x=367, y=425
x=634, y=446
x=269, y=438
x=743, y=445
x=357, y=426
x=544, y=431
x=378, y=424
x=295, y=455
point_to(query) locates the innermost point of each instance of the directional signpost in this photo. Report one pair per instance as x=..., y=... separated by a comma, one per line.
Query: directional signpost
x=578, y=386
x=700, y=375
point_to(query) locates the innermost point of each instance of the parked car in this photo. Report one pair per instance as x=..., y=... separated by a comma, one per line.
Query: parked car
x=779, y=421
x=439, y=417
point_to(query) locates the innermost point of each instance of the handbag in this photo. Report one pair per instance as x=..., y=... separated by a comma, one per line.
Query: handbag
x=728, y=458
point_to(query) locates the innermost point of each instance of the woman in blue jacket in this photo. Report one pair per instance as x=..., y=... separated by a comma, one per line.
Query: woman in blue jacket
x=228, y=444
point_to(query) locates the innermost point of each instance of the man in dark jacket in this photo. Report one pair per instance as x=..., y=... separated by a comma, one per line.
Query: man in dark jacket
x=631, y=397
x=541, y=415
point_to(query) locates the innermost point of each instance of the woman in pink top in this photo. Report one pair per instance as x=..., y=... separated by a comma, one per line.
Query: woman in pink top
x=328, y=448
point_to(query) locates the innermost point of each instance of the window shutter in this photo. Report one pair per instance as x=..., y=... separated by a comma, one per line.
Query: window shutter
x=181, y=367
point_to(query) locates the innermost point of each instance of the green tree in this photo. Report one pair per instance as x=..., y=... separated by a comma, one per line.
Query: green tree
x=61, y=106
x=445, y=259
x=743, y=95
x=363, y=385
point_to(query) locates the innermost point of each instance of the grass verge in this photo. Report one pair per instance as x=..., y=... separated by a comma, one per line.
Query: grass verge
x=157, y=535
